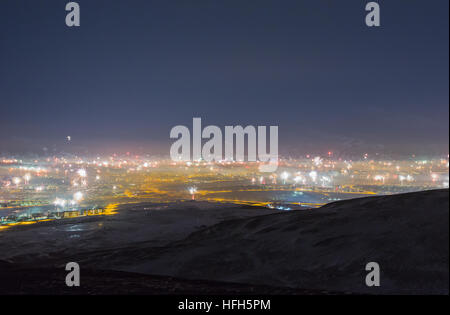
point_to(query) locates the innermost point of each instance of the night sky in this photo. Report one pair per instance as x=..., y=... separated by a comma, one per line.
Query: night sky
x=134, y=69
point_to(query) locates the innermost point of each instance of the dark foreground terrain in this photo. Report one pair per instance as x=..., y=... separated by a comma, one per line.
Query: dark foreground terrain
x=201, y=248
x=44, y=281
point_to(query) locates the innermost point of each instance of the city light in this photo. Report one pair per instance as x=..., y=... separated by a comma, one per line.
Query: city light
x=59, y=202
x=313, y=175
x=379, y=178
x=192, y=191
x=332, y=179
x=27, y=178
x=17, y=181
x=82, y=172
x=39, y=189
x=78, y=196
x=434, y=177
x=285, y=176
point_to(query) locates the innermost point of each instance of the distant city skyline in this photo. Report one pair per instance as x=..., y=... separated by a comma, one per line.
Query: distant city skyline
x=135, y=69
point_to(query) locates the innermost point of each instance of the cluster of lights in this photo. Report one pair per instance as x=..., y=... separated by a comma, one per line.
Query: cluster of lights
x=313, y=171
x=18, y=180
x=192, y=191
x=82, y=172
x=77, y=198
x=299, y=178
x=408, y=178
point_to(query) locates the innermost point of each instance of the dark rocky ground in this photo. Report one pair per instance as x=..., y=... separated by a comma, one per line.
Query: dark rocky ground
x=50, y=281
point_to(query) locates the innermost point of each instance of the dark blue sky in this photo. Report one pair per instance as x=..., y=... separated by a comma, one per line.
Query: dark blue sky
x=134, y=69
